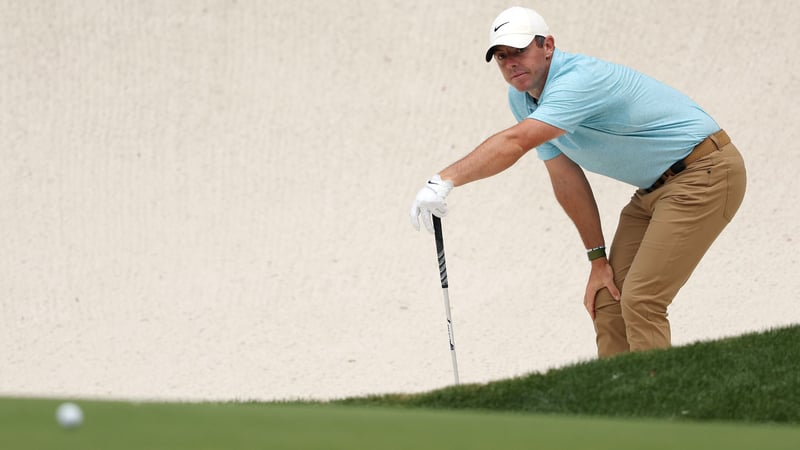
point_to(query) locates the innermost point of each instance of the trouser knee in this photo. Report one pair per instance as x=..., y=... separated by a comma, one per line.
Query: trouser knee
x=609, y=325
x=646, y=324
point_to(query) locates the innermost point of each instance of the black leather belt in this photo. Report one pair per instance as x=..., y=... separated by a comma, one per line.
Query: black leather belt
x=709, y=145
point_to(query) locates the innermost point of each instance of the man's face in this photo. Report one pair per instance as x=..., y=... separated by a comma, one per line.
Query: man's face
x=525, y=68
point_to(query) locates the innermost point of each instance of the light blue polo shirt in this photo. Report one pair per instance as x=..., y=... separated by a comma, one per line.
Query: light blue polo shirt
x=618, y=122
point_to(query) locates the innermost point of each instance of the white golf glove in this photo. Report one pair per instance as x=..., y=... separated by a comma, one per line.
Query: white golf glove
x=430, y=200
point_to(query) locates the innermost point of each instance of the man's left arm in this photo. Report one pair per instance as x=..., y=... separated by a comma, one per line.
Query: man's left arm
x=573, y=192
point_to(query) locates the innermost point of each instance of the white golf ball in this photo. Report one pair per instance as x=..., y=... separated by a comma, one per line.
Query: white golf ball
x=69, y=415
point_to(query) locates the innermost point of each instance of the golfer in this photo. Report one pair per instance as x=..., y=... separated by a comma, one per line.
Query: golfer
x=581, y=113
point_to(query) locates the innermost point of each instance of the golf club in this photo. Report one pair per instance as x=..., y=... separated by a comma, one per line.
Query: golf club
x=437, y=227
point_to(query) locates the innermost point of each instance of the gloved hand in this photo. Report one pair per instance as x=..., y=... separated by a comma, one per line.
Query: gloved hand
x=430, y=200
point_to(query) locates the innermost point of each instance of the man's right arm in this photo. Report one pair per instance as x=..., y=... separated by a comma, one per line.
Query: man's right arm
x=493, y=156
x=500, y=151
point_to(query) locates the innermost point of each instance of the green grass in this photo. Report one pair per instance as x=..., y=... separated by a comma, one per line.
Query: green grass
x=751, y=378
x=740, y=393
x=29, y=424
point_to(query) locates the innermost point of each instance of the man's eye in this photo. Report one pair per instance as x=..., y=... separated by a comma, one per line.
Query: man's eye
x=520, y=50
x=499, y=56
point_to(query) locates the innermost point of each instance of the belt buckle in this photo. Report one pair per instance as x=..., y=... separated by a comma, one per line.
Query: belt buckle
x=671, y=172
x=677, y=167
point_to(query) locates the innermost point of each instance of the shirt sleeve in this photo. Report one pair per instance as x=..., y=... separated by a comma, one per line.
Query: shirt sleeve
x=547, y=151
x=573, y=99
x=520, y=110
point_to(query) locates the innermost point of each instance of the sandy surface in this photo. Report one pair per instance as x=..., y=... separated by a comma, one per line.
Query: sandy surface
x=208, y=199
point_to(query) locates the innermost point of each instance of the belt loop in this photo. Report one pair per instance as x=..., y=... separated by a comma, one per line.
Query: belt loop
x=714, y=138
x=720, y=139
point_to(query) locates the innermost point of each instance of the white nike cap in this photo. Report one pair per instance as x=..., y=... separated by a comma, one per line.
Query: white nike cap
x=515, y=27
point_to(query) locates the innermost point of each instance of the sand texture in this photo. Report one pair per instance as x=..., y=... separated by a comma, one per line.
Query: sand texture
x=209, y=199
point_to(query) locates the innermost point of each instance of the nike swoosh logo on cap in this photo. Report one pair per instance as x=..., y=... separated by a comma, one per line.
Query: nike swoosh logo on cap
x=498, y=27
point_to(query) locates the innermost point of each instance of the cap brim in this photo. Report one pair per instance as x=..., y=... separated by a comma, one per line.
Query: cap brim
x=511, y=40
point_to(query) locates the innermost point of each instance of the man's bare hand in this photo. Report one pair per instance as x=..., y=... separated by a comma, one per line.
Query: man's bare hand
x=602, y=276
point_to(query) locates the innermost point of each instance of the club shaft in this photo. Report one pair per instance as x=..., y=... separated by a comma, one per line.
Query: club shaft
x=437, y=227
x=450, y=333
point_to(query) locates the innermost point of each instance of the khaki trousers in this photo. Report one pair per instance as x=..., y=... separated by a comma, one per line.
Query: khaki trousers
x=660, y=239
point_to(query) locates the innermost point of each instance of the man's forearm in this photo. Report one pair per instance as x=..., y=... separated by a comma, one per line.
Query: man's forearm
x=493, y=156
x=500, y=151
x=576, y=198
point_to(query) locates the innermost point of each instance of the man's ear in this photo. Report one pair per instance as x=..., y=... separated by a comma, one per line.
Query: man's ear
x=549, y=46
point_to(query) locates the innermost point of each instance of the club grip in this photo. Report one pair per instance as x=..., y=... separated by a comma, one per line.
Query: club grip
x=437, y=232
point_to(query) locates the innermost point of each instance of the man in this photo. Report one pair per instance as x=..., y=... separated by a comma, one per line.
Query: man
x=583, y=113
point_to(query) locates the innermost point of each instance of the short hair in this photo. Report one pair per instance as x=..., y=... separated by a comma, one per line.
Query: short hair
x=539, y=40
